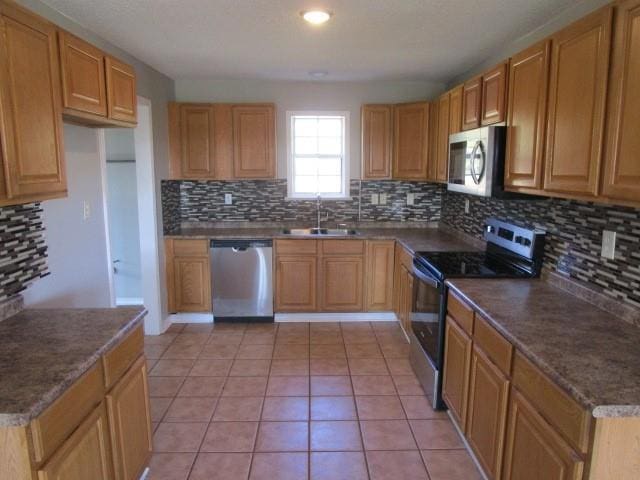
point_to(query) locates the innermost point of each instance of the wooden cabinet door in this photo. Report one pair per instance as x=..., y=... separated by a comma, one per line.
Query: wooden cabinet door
x=197, y=141
x=487, y=413
x=86, y=453
x=577, y=90
x=341, y=280
x=494, y=93
x=457, y=360
x=622, y=156
x=533, y=450
x=130, y=422
x=254, y=151
x=455, y=109
x=121, y=91
x=410, y=140
x=32, y=152
x=471, y=103
x=296, y=283
x=379, y=276
x=442, y=149
x=377, y=133
x=83, y=75
x=526, y=116
x=192, y=284
x=407, y=294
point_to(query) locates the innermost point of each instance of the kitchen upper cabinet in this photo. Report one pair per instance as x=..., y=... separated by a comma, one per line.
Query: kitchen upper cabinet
x=494, y=93
x=188, y=275
x=83, y=75
x=130, y=423
x=471, y=103
x=526, y=117
x=379, y=275
x=442, y=138
x=411, y=145
x=487, y=412
x=121, y=90
x=457, y=363
x=377, y=138
x=85, y=454
x=533, y=450
x=254, y=150
x=577, y=94
x=196, y=140
x=32, y=155
x=455, y=109
x=622, y=154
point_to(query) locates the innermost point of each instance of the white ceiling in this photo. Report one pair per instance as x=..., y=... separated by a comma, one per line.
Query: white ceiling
x=365, y=40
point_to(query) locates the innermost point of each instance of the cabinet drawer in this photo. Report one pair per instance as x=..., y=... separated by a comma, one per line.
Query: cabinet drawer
x=296, y=247
x=57, y=422
x=118, y=360
x=563, y=412
x=461, y=312
x=187, y=248
x=343, y=247
x=494, y=345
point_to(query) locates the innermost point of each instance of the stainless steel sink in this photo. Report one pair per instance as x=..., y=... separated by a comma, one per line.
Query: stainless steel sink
x=324, y=232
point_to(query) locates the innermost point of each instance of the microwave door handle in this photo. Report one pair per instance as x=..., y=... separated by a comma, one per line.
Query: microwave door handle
x=428, y=279
x=475, y=175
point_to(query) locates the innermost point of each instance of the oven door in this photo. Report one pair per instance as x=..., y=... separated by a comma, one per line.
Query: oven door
x=426, y=314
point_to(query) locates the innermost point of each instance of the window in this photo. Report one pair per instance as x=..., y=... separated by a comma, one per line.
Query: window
x=317, y=154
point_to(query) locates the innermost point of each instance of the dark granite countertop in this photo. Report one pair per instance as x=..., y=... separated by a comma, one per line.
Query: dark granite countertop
x=414, y=239
x=593, y=355
x=42, y=352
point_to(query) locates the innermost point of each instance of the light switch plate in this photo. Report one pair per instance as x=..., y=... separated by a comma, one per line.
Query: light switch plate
x=608, y=245
x=374, y=199
x=410, y=198
x=228, y=199
x=466, y=205
x=383, y=199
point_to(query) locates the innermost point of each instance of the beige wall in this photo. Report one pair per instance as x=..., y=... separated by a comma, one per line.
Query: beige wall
x=290, y=96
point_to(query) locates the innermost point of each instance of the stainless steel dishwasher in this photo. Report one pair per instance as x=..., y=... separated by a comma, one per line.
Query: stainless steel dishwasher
x=241, y=280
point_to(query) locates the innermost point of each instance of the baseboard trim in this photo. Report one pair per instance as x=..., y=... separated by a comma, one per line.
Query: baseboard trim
x=336, y=317
x=191, y=318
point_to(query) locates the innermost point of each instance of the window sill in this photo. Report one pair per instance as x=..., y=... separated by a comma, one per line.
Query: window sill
x=313, y=199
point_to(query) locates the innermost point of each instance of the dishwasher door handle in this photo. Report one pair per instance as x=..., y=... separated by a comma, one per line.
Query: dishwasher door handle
x=238, y=249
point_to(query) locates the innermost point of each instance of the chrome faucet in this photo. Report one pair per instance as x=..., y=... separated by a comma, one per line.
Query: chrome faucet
x=318, y=206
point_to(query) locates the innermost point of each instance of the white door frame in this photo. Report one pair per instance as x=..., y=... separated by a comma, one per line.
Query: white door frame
x=150, y=268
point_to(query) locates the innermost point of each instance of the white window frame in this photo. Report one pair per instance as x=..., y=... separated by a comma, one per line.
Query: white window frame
x=345, y=194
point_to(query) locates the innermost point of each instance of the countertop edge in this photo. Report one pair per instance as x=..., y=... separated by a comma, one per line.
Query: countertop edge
x=23, y=419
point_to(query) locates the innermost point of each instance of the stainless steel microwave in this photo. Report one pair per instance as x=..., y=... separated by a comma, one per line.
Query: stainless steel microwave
x=476, y=161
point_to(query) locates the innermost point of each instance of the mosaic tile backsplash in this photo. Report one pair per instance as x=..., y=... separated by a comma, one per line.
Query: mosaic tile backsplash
x=574, y=236
x=23, y=253
x=265, y=201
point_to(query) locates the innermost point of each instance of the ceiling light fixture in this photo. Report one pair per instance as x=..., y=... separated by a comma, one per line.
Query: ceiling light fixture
x=316, y=17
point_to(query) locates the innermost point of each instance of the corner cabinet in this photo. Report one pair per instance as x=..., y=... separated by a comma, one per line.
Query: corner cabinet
x=622, y=165
x=188, y=275
x=411, y=141
x=377, y=139
x=32, y=155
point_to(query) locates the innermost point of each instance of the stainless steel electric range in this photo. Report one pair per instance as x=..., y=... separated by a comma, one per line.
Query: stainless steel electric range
x=511, y=252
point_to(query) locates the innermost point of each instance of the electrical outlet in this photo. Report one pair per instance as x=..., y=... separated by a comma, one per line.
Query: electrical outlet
x=410, y=198
x=374, y=199
x=228, y=199
x=608, y=245
x=383, y=199
x=86, y=210
x=466, y=205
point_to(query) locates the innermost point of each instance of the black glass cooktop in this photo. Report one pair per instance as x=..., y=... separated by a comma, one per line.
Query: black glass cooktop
x=468, y=264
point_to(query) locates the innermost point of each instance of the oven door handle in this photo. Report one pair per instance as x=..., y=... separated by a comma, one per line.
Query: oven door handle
x=428, y=279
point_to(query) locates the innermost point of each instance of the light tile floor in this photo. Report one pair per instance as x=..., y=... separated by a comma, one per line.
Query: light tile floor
x=290, y=401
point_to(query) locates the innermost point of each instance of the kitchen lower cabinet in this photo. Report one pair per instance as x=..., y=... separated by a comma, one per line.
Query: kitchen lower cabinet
x=86, y=453
x=457, y=363
x=379, y=275
x=130, y=423
x=487, y=412
x=403, y=287
x=188, y=275
x=296, y=283
x=341, y=283
x=533, y=450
